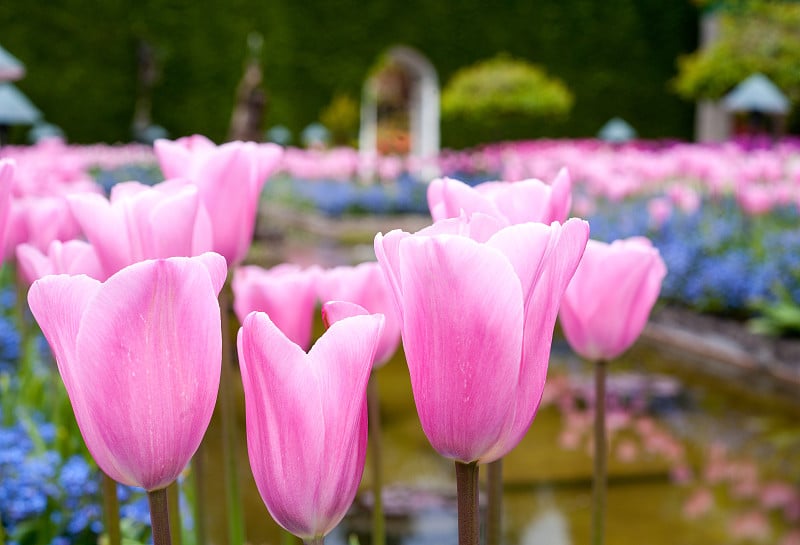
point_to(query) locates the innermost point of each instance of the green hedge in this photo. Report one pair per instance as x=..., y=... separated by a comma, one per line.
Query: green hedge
x=617, y=56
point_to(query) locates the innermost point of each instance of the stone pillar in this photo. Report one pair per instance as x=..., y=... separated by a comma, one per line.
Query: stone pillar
x=711, y=122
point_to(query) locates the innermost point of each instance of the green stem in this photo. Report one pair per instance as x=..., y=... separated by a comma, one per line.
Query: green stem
x=198, y=481
x=174, y=504
x=467, y=490
x=24, y=326
x=320, y=540
x=600, y=448
x=228, y=424
x=374, y=409
x=494, y=503
x=111, y=510
x=159, y=516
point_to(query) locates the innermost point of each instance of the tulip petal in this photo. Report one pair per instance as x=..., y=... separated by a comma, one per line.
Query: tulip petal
x=366, y=286
x=58, y=303
x=343, y=357
x=161, y=368
x=284, y=438
x=7, y=168
x=286, y=292
x=228, y=182
x=307, y=456
x=71, y=257
x=172, y=221
x=104, y=228
x=561, y=196
x=524, y=201
x=334, y=311
x=607, y=304
x=463, y=313
x=387, y=251
x=564, y=250
x=525, y=245
x=449, y=198
x=217, y=269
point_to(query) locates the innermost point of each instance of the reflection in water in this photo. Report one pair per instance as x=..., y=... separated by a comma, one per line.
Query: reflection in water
x=549, y=528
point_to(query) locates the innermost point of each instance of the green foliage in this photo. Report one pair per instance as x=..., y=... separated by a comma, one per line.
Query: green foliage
x=762, y=37
x=779, y=318
x=491, y=91
x=617, y=57
x=341, y=118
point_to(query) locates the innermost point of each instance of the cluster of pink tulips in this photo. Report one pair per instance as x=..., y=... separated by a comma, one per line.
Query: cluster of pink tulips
x=129, y=295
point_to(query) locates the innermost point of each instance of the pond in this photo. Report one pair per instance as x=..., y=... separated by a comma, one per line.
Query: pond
x=694, y=459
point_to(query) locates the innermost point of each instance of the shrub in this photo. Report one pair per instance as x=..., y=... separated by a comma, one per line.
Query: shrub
x=494, y=90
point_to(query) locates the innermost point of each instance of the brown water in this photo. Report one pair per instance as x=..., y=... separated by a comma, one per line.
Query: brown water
x=694, y=460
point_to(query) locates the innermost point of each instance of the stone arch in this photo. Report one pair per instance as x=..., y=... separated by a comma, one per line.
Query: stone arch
x=418, y=81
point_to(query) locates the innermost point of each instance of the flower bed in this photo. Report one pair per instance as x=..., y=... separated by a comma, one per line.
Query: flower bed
x=724, y=218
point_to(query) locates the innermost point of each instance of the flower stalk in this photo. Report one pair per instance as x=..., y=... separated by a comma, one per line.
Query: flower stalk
x=228, y=421
x=110, y=510
x=159, y=516
x=600, y=449
x=494, y=502
x=198, y=482
x=376, y=447
x=467, y=490
x=174, y=505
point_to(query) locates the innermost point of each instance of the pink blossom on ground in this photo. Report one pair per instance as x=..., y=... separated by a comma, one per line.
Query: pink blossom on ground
x=627, y=451
x=753, y=525
x=700, y=503
x=790, y=538
x=777, y=494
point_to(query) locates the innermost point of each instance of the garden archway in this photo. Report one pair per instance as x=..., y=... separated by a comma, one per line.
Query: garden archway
x=402, y=98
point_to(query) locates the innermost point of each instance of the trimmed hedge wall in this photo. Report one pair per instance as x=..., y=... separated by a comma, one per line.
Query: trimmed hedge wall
x=616, y=56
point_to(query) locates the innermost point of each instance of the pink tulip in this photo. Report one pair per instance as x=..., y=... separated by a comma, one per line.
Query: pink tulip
x=477, y=305
x=306, y=418
x=38, y=221
x=140, y=358
x=609, y=299
x=286, y=292
x=7, y=168
x=71, y=257
x=140, y=222
x=660, y=210
x=366, y=286
x=230, y=178
x=512, y=202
